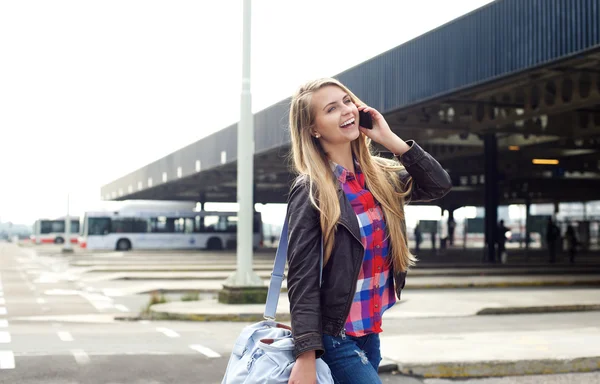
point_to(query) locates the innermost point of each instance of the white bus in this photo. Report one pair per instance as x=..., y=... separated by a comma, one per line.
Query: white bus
x=147, y=230
x=47, y=231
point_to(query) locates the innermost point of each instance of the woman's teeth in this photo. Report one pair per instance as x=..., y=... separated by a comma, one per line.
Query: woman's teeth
x=347, y=124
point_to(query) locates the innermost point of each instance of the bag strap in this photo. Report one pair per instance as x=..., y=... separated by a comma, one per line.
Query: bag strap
x=277, y=274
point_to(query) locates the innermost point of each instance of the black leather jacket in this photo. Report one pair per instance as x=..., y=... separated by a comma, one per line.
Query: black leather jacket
x=316, y=311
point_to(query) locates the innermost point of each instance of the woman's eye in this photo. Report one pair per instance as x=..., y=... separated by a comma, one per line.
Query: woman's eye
x=330, y=109
x=347, y=101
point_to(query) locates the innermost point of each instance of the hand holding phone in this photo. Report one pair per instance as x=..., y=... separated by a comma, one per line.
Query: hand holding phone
x=365, y=120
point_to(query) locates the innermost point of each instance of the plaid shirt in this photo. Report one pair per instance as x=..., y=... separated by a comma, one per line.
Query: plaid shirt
x=375, y=284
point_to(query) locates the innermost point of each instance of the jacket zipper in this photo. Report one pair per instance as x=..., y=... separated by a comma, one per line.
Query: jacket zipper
x=342, y=331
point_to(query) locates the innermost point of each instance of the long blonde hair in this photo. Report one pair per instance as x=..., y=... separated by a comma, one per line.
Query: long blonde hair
x=381, y=176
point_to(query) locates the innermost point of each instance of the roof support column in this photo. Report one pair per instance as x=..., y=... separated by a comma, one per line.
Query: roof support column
x=245, y=286
x=527, y=226
x=491, y=194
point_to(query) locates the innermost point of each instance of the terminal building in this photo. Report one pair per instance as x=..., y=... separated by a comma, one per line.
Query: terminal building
x=506, y=98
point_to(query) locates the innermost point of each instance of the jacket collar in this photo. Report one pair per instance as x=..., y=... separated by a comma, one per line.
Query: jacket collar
x=347, y=214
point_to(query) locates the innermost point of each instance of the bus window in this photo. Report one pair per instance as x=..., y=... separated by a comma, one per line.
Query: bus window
x=158, y=224
x=74, y=226
x=230, y=224
x=199, y=224
x=162, y=224
x=189, y=225
x=129, y=225
x=99, y=225
x=58, y=226
x=179, y=225
x=46, y=227
x=211, y=223
x=139, y=225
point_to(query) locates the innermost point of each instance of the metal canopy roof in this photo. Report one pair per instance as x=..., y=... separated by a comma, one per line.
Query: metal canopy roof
x=526, y=70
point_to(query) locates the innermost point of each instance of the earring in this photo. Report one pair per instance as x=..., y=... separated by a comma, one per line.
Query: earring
x=317, y=135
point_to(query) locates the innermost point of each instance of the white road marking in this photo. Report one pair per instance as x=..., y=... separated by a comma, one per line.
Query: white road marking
x=40, y=301
x=2, y=311
x=80, y=356
x=64, y=336
x=121, y=308
x=2, y=302
x=3, y=323
x=4, y=337
x=144, y=321
x=100, y=302
x=61, y=292
x=7, y=360
x=205, y=351
x=113, y=292
x=168, y=332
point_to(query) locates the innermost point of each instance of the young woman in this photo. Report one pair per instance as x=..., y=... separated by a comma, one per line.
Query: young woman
x=354, y=201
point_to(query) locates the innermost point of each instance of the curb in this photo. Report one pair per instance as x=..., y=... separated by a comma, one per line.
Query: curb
x=506, y=284
x=254, y=317
x=590, y=283
x=539, y=309
x=232, y=317
x=501, y=368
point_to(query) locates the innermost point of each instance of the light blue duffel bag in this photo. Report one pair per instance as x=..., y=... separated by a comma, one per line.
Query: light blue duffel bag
x=264, y=351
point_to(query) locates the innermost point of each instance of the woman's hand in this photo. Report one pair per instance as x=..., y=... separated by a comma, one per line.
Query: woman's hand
x=305, y=369
x=382, y=133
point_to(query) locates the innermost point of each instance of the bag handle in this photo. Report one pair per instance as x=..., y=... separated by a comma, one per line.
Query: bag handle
x=277, y=274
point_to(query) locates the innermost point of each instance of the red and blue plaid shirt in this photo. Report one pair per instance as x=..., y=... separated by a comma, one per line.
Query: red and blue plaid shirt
x=375, y=284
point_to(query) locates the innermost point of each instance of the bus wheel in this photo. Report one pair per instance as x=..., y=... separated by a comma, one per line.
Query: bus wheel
x=214, y=243
x=123, y=245
x=59, y=240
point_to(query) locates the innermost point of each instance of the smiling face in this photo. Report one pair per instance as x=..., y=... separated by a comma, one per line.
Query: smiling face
x=336, y=116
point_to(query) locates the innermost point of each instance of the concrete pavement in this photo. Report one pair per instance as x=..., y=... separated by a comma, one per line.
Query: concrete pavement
x=463, y=354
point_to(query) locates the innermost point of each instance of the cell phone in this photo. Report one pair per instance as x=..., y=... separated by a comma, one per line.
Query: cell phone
x=365, y=120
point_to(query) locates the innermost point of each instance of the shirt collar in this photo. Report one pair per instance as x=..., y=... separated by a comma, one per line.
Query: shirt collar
x=343, y=174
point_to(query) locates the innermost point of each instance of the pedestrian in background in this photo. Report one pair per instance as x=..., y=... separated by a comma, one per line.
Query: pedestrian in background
x=552, y=238
x=572, y=242
x=354, y=201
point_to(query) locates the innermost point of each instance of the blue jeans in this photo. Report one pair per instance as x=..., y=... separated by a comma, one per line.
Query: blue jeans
x=353, y=359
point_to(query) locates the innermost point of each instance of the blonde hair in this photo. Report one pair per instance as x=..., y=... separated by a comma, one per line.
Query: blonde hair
x=381, y=175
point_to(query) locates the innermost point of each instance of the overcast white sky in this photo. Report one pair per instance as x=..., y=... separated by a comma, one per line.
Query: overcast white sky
x=92, y=90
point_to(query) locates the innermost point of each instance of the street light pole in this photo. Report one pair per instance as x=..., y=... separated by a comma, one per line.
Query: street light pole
x=67, y=245
x=244, y=286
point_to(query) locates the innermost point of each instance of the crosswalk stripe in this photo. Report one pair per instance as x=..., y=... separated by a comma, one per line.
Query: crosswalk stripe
x=205, y=351
x=121, y=308
x=168, y=332
x=7, y=360
x=64, y=336
x=4, y=337
x=3, y=323
x=2, y=311
x=80, y=356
